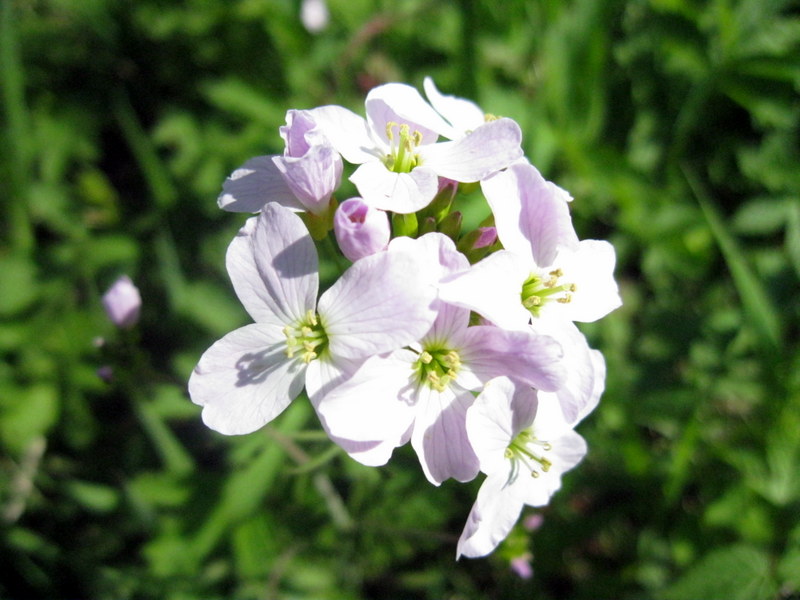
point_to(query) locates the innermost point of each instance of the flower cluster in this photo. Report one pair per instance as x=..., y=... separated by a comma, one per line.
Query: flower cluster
x=460, y=342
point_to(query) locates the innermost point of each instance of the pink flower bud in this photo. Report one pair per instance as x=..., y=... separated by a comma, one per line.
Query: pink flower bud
x=521, y=565
x=360, y=229
x=122, y=303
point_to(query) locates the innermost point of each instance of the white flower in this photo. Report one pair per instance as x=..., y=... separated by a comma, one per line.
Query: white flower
x=524, y=446
x=249, y=376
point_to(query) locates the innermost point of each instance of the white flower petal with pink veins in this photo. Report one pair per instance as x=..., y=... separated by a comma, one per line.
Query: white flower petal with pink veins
x=244, y=380
x=255, y=183
x=402, y=193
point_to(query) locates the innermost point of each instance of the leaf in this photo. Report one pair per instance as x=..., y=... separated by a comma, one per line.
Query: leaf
x=757, y=305
x=737, y=572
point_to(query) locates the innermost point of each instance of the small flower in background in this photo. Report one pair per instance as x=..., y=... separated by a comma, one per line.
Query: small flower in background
x=360, y=230
x=122, y=303
x=106, y=373
x=533, y=522
x=521, y=565
x=314, y=15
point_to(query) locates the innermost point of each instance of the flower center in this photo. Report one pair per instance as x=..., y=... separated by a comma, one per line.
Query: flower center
x=306, y=338
x=402, y=157
x=525, y=450
x=437, y=367
x=537, y=290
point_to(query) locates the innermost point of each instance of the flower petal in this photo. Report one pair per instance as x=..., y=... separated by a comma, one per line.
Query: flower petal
x=440, y=436
x=376, y=404
x=463, y=115
x=398, y=192
x=492, y=288
x=378, y=305
x=402, y=104
x=245, y=379
x=254, y=184
x=522, y=355
x=491, y=147
x=531, y=219
x=491, y=519
x=286, y=260
x=347, y=133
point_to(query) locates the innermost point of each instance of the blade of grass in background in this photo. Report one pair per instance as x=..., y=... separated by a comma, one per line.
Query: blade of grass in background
x=757, y=305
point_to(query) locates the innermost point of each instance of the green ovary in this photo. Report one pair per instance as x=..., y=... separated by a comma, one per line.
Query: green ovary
x=306, y=338
x=538, y=290
x=403, y=157
x=437, y=367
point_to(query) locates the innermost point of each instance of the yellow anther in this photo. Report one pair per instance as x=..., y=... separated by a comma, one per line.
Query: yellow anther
x=311, y=318
x=390, y=130
x=565, y=299
x=425, y=357
x=557, y=273
x=488, y=117
x=306, y=331
x=534, y=474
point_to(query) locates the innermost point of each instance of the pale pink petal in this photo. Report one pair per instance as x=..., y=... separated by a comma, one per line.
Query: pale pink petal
x=531, y=220
x=522, y=355
x=580, y=390
x=255, y=183
x=491, y=519
x=491, y=147
x=397, y=192
x=312, y=177
x=245, y=379
x=402, y=104
x=254, y=295
x=463, y=115
x=492, y=288
x=347, y=133
x=440, y=435
x=378, y=305
x=326, y=373
x=286, y=260
x=376, y=404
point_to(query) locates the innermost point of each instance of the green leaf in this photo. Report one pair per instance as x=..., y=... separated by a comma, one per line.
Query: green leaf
x=18, y=282
x=757, y=305
x=737, y=572
x=27, y=412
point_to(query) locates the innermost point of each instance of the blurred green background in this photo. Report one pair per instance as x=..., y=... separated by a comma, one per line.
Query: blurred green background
x=674, y=123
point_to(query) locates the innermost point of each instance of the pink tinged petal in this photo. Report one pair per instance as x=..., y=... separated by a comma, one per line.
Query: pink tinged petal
x=436, y=252
x=492, y=288
x=122, y=303
x=360, y=229
x=580, y=390
x=500, y=412
x=312, y=177
x=440, y=435
x=522, y=355
x=347, y=133
x=491, y=147
x=591, y=269
x=245, y=379
x=463, y=115
x=298, y=124
x=531, y=219
x=286, y=260
x=254, y=295
x=376, y=404
x=521, y=565
x=370, y=454
x=491, y=519
x=402, y=104
x=378, y=305
x=255, y=183
x=449, y=323
x=397, y=192
x=326, y=373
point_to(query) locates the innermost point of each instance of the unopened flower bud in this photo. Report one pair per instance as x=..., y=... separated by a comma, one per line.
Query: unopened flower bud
x=122, y=303
x=360, y=229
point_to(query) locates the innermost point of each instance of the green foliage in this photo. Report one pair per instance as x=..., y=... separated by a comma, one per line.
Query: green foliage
x=673, y=123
